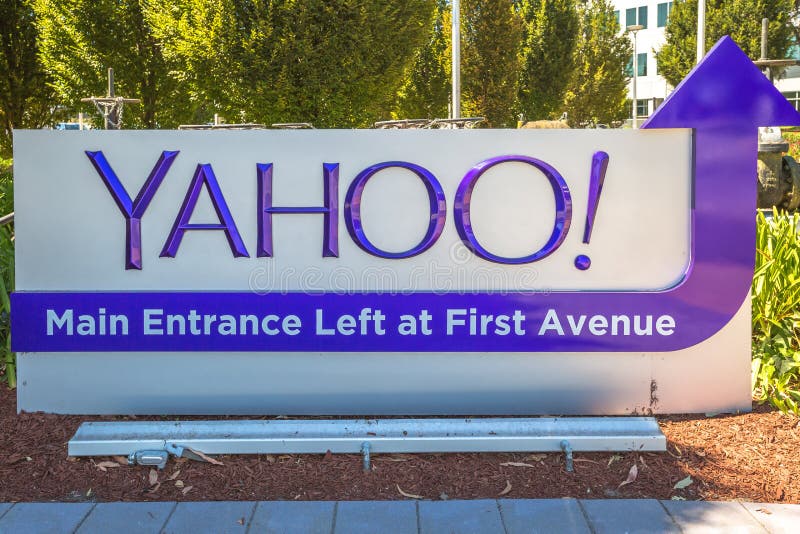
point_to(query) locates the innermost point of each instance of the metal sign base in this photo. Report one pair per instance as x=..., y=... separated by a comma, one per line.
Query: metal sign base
x=369, y=436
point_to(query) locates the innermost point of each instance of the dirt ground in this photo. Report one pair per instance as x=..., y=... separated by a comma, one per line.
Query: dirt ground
x=753, y=456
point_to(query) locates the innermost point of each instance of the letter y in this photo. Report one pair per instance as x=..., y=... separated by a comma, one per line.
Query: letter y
x=132, y=210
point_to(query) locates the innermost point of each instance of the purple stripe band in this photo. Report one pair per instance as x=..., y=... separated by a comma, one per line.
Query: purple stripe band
x=476, y=323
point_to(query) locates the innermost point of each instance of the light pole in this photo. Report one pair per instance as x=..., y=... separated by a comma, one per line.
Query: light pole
x=634, y=29
x=701, y=29
x=455, y=106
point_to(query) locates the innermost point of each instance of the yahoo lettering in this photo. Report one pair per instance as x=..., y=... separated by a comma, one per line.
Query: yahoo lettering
x=722, y=101
x=204, y=176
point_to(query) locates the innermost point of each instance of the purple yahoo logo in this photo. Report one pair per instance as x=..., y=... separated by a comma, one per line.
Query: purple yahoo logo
x=204, y=176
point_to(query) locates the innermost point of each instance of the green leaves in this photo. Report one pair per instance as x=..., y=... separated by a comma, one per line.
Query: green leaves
x=425, y=93
x=491, y=35
x=597, y=93
x=25, y=98
x=776, y=312
x=7, y=360
x=533, y=58
x=741, y=19
x=335, y=63
x=80, y=39
x=548, y=56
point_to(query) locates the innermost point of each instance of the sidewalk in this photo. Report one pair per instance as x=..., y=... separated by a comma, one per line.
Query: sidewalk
x=387, y=517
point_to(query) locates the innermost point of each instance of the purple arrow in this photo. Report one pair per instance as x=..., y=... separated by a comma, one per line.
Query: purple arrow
x=724, y=99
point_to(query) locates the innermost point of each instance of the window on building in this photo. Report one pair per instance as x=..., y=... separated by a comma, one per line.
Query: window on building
x=641, y=107
x=663, y=13
x=794, y=98
x=630, y=17
x=641, y=65
x=793, y=51
x=616, y=16
x=634, y=16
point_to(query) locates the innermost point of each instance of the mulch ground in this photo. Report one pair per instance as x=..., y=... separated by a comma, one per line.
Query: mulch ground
x=754, y=457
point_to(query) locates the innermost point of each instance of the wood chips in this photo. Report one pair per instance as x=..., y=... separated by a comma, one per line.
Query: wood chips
x=755, y=457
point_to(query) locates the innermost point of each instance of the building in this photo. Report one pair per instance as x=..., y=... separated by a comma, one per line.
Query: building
x=789, y=81
x=651, y=89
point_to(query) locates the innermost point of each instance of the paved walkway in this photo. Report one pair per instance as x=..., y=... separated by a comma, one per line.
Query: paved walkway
x=388, y=517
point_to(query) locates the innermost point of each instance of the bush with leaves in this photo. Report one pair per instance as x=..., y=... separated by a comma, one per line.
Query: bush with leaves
x=599, y=88
x=7, y=362
x=776, y=312
x=548, y=59
x=741, y=19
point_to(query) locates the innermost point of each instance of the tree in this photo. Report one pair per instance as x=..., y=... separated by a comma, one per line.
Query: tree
x=80, y=39
x=741, y=19
x=491, y=32
x=548, y=56
x=426, y=91
x=598, y=90
x=355, y=55
x=490, y=39
x=202, y=44
x=335, y=63
x=25, y=99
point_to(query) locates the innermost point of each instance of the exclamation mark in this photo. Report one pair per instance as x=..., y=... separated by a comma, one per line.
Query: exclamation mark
x=596, y=179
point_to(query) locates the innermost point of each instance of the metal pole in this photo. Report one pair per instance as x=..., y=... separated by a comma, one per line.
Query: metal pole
x=369, y=437
x=455, y=108
x=634, y=28
x=633, y=84
x=764, y=57
x=701, y=29
x=111, y=118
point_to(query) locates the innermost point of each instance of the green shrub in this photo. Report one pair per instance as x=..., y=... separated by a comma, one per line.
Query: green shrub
x=776, y=312
x=6, y=188
x=7, y=361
